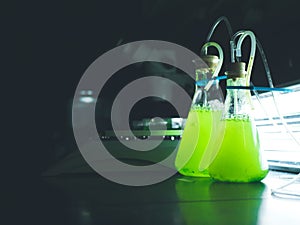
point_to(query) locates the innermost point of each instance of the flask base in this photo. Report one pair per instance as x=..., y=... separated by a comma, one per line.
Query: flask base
x=193, y=173
x=240, y=179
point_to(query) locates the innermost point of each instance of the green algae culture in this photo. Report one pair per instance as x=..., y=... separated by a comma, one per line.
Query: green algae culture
x=197, y=149
x=240, y=157
x=197, y=134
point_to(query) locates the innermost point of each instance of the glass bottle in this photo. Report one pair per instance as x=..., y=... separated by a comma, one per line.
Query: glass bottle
x=199, y=127
x=240, y=157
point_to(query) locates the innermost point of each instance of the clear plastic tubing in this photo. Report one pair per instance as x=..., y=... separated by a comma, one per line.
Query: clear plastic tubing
x=233, y=48
x=269, y=78
x=252, y=52
x=219, y=66
x=265, y=63
x=233, y=45
x=238, y=53
x=274, y=94
x=222, y=18
x=212, y=30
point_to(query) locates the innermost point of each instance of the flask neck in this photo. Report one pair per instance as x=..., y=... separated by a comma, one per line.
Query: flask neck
x=203, y=74
x=237, y=104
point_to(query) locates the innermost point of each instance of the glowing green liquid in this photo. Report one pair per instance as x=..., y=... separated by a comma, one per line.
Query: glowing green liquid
x=239, y=158
x=196, y=135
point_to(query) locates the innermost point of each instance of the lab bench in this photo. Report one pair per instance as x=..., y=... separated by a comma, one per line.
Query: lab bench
x=88, y=198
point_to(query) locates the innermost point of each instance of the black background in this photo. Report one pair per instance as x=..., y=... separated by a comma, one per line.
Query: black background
x=47, y=46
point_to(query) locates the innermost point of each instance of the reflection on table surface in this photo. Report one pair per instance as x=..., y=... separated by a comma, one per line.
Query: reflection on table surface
x=90, y=199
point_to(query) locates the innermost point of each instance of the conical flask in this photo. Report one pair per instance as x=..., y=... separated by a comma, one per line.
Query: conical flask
x=240, y=157
x=200, y=126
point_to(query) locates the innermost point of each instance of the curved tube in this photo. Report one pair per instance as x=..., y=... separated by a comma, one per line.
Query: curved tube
x=252, y=52
x=220, y=19
x=238, y=53
x=221, y=55
x=269, y=78
x=219, y=66
x=233, y=45
x=268, y=73
x=228, y=25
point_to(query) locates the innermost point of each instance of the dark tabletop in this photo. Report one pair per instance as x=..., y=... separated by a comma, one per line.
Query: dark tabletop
x=87, y=198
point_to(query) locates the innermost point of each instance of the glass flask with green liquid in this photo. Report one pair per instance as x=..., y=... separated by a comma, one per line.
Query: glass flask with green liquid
x=240, y=157
x=206, y=108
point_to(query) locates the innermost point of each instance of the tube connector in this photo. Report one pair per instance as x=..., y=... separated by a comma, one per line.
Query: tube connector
x=238, y=52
